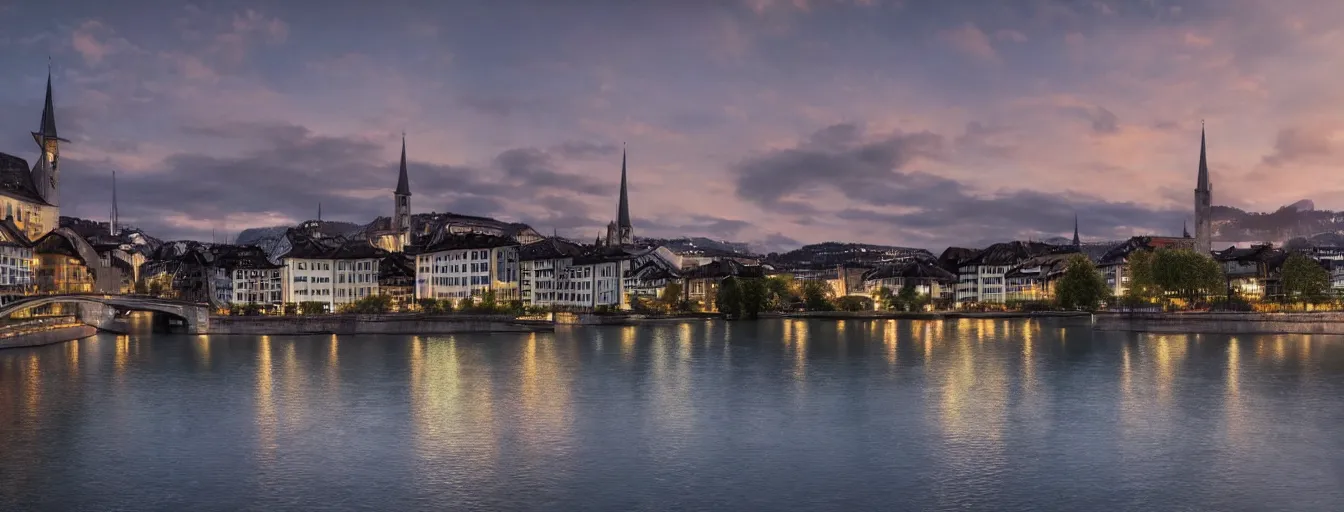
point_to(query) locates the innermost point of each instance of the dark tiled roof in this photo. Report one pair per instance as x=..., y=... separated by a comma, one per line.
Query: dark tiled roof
x=550, y=248
x=16, y=179
x=245, y=257
x=724, y=268
x=394, y=266
x=12, y=235
x=652, y=271
x=1049, y=265
x=1011, y=253
x=910, y=270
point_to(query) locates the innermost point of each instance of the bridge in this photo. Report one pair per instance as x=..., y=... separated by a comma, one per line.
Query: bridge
x=100, y=310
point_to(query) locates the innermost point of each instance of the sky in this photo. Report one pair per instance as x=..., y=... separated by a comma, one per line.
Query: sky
x=773, y=122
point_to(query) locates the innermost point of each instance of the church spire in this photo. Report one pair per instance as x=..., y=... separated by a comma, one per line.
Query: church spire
x=1185, y=229
x=403, y=183
x=48, y=128
x=114, y=224
x=1203, y=162
x=623, y=210
x=1077, y=242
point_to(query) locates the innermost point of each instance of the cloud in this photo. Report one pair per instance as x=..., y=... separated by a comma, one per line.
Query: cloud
x=834, y=157
x=291, y=169
x=969, y=39
x=880, y=190
x=1297, y=144
x=1103, y=121
x=536, y=168
x=1010, y=35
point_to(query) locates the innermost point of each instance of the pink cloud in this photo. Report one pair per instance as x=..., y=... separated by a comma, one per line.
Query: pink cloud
x=971, y=40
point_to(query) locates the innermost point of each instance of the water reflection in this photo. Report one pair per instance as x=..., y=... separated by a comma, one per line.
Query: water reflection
x=966, y=414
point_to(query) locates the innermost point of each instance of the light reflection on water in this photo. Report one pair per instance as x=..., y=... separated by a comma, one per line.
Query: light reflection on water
x=770, y=415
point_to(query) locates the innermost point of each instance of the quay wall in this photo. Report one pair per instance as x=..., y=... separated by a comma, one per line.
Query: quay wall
x=1223, y=323
x=44, y=331
x=372, y=324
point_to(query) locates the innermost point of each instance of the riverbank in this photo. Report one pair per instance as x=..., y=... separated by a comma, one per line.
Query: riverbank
x=373, y=324
x=43, y=331
x=1222, y=323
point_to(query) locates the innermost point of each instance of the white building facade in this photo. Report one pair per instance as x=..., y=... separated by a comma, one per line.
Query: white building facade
x=468, y=265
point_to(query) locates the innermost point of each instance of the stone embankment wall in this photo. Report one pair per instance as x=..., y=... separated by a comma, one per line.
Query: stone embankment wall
x=1223, y=323
x=43, y=331
x=373, y=324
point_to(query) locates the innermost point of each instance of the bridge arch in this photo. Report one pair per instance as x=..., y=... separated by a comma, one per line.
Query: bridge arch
x=196, y=317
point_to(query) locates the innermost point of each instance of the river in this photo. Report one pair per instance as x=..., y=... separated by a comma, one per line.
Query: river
x=769, y=415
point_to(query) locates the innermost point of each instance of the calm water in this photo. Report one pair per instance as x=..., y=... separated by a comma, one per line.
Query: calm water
x=775, y=415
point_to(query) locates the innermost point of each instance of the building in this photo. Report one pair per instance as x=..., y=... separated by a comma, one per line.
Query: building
x=186, y=270
x=981, y=278
x=927, y=278
x=541, y=271
x=335, y=272
x=1112, y=263
x=66, y=263
x=1203, y=202
x=393, y=233
x=396, y=279
x=16, y=260
x=460, y=266
x=30, y=195
x=254, y=278
x=701, y=285
x=1253, y=273
x=1034, y=279
x=621, y=231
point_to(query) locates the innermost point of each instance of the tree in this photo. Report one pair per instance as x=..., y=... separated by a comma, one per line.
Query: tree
x=884, y=298
x=429, y=306
x=371, y=305
x=755, y=297
x=290, y=309
x=728, y=300
x=817, y=296
x=671, y=297
x=1081, y=287
x=1304, y=279
x=854, y=303
x=312, y=308
x=1142, y=285
x=908, y=299
x=488, y=303
x=1186, y=274
x=780, y=293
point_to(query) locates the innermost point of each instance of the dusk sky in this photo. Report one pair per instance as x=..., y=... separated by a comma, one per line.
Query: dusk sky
x=774, y=122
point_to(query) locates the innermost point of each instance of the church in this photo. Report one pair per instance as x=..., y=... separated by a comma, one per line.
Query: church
x=29, y=195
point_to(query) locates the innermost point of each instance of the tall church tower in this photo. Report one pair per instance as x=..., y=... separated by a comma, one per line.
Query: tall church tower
x=625, y=232
x=401, y=217
x=1203, y=202
x=47, y=171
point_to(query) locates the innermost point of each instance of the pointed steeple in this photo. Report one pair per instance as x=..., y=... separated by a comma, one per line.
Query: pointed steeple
x=1185, y=229
x=1077, y=242
x=48, y=128
x=403, y=183
x=623, y=209
x=1203, y=162
x=319, y=211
